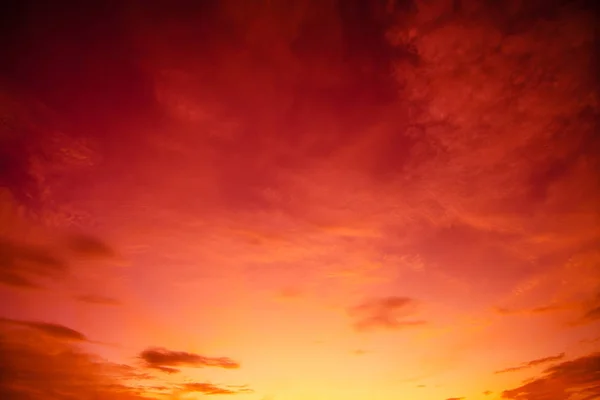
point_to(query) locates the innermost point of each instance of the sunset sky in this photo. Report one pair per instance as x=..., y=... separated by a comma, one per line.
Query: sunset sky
x=299, y=200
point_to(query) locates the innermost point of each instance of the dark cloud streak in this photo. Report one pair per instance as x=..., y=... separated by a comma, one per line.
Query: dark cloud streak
x=56, y=331
x=533, y=363
x=89, y=246
x=164, y=360
x=210, y=389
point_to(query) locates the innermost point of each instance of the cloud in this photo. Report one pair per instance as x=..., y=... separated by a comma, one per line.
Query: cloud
x=25, y=264
x=209, y=389
x=579, y=378
x=592, y=314
x=533, y=363
x=487, y=392
x=455, y=398
x=89, y=246
x=56, y=331
x=535, y=310
x=45, y=362
x=35, y=365
x=21, y=264
x=385, y=312
x=591, y=311
x=164, y=360
x=97, y=299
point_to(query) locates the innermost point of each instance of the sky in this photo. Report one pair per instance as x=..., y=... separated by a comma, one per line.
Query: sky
x=292, y=200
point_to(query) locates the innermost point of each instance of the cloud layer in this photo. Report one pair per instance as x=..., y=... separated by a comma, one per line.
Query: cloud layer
x=382, y=158
x=578, y=378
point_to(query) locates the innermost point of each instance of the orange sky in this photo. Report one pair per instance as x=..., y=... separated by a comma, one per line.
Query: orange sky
x=291, y=200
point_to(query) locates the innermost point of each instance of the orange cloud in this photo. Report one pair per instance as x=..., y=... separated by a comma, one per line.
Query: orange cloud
x=38, y=363
x=533, y=363
x=591, y=311
x=386, y=312
x=164, y=360
x=209, y=388
x=535, y=310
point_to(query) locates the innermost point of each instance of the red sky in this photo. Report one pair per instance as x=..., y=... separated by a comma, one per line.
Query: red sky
x=291, y=200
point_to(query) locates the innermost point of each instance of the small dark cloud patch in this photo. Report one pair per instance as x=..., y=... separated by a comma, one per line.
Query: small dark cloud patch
x=487, y=392
x=211, y=389
x=591, y=311
x=96, y=299
x=455, y=398
x=49, y=329
x=579, y=378
x=532, y=363
x=385, y=313
x=166, y=360
x=89, y=246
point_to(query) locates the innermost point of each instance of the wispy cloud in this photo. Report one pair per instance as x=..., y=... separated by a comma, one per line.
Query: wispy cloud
x=165, y=360
x=89, y=246
x=591, y=311
x=532, y=363
x=209, y=388
x=97, y=299
x=56, y=331
x=534, y=310
x=386, y=312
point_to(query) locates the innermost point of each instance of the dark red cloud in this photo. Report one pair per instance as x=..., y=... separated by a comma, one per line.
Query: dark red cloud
x=164, y=360
x=387, y=312
x=56, y=331
x=89, y=246
x=21, y=265
x=579, y=377
x=533, y=363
